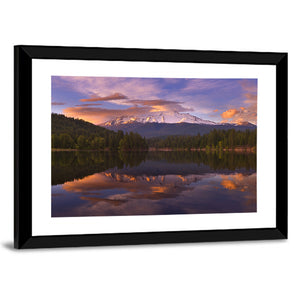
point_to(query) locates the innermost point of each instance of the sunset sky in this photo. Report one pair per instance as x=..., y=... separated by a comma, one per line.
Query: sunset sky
x=100, y=99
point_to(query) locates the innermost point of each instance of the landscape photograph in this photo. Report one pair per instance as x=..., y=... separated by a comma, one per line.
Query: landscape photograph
x=129, y=146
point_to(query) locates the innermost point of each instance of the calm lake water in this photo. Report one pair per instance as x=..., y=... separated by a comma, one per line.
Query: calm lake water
x=152, y=183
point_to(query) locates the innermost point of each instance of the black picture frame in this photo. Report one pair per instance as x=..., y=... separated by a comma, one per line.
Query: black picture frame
x=23, y=56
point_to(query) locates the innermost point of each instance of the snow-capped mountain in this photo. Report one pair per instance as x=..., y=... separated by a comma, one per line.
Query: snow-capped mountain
x=156, y=124
x=158, y=117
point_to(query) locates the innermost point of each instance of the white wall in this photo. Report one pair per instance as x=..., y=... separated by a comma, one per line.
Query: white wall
x=246, y=270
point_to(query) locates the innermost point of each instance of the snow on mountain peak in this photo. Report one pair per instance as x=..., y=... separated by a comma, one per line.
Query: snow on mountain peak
x=159, y=117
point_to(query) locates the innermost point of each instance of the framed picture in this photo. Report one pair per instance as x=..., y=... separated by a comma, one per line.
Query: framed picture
x=143, y=146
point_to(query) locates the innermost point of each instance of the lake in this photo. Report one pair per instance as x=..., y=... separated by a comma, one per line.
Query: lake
x=88, y=183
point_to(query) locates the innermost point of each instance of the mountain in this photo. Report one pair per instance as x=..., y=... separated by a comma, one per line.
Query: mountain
x=158, y=124
x=158, y=117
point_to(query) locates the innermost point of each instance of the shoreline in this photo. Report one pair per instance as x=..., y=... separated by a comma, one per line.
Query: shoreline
x=152, y=149
x=237, y=149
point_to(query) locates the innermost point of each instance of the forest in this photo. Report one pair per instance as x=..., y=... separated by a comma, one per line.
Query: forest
x=215, y=140
x=70, y=133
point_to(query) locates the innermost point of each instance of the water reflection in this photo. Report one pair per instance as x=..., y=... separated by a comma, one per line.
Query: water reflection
x=140, y=183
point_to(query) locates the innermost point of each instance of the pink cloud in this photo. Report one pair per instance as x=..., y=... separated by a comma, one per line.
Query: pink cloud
x=57, y=103
x=249, y=86
x=88, y=104
x=115, y=96
x=250, y=97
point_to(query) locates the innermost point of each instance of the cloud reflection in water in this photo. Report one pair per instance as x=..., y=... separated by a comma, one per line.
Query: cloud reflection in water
x=115, y=192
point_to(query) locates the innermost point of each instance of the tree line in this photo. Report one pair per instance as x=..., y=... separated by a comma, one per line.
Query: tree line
x=120, y=141
x=216, y=139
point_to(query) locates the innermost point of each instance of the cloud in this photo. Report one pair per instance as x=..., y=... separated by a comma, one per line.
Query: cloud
x=154, y=102
x=57, y=103
x=248, y=111
x=249, y=86
x=228, y=114
x=95, y=87
x=88, y=104
x=250, y=97
x=115, y=96
x=205, y=97
x=240, y=117
x=162, y=105
x=98, y=115
x=196, y=85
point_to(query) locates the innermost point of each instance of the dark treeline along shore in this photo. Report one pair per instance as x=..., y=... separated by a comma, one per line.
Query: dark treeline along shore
x=70, y=133
x=215, y=140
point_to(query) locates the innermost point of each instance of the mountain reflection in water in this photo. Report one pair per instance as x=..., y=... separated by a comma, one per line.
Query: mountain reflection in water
x=153, y=183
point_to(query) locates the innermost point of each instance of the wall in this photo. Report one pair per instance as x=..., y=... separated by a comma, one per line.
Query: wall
x=246, y=270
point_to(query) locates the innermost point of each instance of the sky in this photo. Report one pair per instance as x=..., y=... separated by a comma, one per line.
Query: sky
x=100, y=99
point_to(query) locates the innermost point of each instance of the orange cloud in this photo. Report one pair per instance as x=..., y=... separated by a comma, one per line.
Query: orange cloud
x=242, y=115
x=228, y=114
x=215, y=110
x=98, y=115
